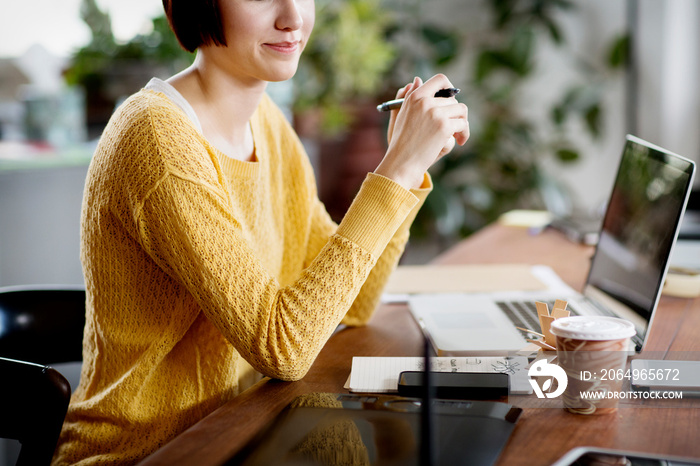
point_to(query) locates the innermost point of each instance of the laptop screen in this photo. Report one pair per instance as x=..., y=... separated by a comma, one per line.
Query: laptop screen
x=640, y=225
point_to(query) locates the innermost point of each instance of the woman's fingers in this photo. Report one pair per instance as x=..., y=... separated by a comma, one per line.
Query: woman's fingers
x=400, y=94
x=422, y=130
x=431, y=86
x=460, y=112
x=460, y=133
x=463, y=136
x=448, y=147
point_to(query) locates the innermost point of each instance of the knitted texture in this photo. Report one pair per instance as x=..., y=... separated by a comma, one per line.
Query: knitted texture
x=204, y=272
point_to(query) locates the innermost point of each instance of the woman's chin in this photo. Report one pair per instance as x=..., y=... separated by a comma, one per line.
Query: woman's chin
x=282, y=74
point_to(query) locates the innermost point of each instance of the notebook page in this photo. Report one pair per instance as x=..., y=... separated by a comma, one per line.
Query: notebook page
x=381, y=374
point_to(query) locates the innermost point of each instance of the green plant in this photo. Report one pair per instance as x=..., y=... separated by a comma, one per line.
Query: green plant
x=346, y=59
x=501, y=167
x=423, y=48
x=92, y=65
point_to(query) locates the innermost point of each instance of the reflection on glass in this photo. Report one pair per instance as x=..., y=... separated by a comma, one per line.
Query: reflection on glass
x=332, y=429
x=636, y=236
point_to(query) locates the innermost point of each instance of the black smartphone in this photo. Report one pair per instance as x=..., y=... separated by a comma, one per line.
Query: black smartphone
x=456, y=385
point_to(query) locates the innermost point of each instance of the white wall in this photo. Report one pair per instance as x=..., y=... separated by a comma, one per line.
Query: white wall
x=40, y=225
x=589, y=32
x=668, y=55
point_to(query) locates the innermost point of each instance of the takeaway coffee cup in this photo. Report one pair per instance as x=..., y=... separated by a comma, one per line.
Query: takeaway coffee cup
x=593, y=352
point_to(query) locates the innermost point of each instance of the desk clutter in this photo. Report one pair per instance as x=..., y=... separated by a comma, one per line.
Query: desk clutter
x=547, y=340
x=381, y=374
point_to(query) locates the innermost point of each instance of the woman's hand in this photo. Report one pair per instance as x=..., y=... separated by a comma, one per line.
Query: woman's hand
x=424, y=129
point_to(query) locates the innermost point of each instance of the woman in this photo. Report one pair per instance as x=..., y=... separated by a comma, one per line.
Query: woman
x=209, y=261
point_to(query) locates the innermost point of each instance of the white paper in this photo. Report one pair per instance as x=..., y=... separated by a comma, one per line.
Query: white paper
x=381, y=374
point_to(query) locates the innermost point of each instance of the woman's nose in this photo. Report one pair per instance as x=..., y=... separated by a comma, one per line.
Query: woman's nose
x=290, y=17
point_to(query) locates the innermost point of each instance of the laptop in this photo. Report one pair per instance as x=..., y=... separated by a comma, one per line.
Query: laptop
x=626, y=275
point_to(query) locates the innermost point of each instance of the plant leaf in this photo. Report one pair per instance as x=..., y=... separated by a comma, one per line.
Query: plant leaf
x=559, y=115
x=567, y=155
x=619, y=51
x=445, y=45
x=485, y=64
x=592, y=116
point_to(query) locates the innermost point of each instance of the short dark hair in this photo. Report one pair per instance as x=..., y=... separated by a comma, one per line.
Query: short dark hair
x=195, y=22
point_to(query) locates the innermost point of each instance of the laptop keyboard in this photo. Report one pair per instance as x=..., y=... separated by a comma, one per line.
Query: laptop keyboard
x=524, y=314
x=602, y=310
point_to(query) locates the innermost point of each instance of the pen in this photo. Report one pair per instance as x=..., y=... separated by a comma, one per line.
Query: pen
x=393, y=104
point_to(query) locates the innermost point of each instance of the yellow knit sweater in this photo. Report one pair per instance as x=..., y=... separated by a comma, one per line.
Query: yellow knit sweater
x=204, y=272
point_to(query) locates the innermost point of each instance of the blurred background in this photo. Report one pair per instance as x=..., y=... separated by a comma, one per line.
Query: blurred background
x=552, y=86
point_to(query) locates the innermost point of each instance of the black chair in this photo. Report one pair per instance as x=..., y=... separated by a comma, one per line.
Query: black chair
x=34, y=402
x=39, y=325
x=42, y=324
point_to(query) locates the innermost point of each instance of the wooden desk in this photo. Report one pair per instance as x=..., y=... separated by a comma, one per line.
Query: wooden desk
x=542, y=435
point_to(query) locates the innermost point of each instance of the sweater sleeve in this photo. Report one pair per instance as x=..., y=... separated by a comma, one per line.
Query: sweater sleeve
x=192, y=234
x=369, y=296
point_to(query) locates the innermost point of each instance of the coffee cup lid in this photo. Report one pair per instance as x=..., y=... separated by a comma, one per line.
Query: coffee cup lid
x=598, y=328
